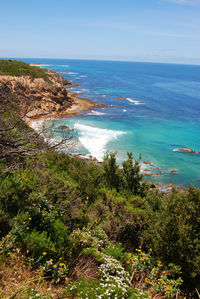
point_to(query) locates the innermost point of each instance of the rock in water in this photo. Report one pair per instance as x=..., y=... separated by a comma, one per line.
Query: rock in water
x=187, y=150
x=63, y=128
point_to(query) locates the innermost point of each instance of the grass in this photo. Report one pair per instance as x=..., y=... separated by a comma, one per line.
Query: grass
x=18, y=280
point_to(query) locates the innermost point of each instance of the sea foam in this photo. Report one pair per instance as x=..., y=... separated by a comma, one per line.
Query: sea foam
x=135, y=101
x=95, y=139
x=93, y=112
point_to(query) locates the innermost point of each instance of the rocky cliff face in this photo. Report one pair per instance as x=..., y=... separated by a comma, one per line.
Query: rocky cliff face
x=38, y=97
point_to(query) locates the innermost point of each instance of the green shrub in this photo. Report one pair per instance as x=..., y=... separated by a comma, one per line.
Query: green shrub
x=115, y=251
x=172, y=230
x=133, y=176
x=156, y=276
x=90, y=289
x=128, y=179
x=60, y=236
x=19, y=68
x=37, y=244
x=113, y=174
x=13, y=192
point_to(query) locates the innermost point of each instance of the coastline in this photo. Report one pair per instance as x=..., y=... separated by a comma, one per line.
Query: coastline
x=83, y=104
x=79, y=105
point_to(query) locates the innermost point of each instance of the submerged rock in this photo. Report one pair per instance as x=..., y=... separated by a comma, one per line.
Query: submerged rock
x=187, y=150
x=147, y=163
x=120, y=98
x=173, y=171
x=63, y=128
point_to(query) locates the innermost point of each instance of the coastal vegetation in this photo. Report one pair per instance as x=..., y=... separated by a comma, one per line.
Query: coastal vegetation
x=19, y=68
x=73, y=229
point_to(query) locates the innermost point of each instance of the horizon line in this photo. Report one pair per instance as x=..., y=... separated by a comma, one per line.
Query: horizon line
x=114, y=60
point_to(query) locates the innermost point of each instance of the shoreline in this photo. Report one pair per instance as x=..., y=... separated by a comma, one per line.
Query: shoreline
x=84, y=104
x=79, y=105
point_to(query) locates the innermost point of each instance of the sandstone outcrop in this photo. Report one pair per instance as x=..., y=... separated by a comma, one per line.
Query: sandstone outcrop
x=37, y=97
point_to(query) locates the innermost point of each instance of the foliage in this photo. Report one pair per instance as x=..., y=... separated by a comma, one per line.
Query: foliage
x=17, y=140
x=133, y=176
x=128, y=179
x=63, y=209
x=147, y=273
x=114, y=281
x=56, y=270
x=94, y=289
x=113, y=175
x=172, y=230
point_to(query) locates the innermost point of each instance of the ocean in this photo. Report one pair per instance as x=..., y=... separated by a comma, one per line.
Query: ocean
x=153, y=109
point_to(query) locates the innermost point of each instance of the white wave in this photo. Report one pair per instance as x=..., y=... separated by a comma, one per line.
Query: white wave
x=176, y=150
x=78, y=92
x=71, y=73
x=95, y=113
x=83, y=76
x=40, y=65
x=124, y=110
x=37, y=125
x=95, y=139
x=135, y=101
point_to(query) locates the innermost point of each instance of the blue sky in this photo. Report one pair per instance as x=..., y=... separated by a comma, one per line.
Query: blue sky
x=138, y=30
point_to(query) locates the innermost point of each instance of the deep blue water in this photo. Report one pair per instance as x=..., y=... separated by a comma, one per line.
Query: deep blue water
x=158, y=115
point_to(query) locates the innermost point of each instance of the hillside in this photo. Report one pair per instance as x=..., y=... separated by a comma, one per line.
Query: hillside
x=71, y=229
x=19, y=68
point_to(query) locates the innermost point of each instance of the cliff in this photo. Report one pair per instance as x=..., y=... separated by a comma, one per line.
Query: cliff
x=38, y=97
x=40, y=92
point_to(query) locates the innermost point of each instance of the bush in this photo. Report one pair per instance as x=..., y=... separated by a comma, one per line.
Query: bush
x=134, y=179
x=128, y=179
x=113, y=174
x=38, y=243
x=172, y=230
x=60, y=236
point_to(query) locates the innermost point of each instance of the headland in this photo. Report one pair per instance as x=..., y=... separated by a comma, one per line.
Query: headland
x=42, y=93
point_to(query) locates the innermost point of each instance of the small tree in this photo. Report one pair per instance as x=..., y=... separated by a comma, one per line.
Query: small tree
x=126, y=179
x=133, y=176
x=112, y=173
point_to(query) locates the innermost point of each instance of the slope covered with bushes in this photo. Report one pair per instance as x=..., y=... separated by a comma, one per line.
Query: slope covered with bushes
x=19, y=68
x=71, y=229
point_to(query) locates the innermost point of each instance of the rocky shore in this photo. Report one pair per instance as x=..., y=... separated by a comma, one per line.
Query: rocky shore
x=38, y=98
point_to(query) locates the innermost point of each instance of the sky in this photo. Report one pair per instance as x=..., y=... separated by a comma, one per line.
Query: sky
x=133, y=30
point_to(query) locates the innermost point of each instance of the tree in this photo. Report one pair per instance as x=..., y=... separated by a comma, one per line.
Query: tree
x=133, y=176
x=17, y=139
x=112, y=172
x=128, y=178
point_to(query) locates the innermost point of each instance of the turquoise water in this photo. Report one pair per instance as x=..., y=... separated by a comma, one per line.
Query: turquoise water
x=158, y=115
